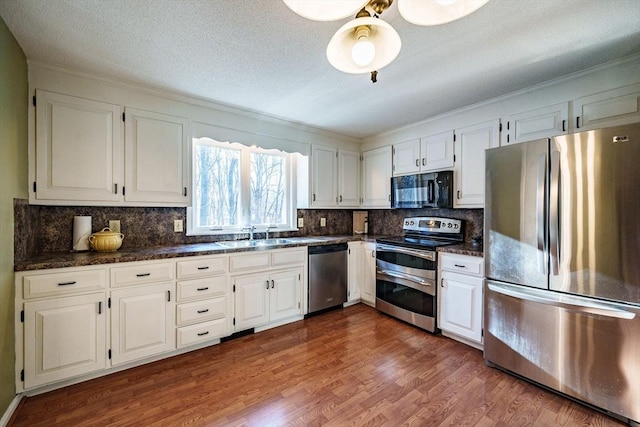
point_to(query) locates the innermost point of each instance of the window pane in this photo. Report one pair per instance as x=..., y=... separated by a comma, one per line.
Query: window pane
x=268, y=185
x=217, y=186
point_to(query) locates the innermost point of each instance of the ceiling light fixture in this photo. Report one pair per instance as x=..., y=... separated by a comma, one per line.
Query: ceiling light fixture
x=367, y=44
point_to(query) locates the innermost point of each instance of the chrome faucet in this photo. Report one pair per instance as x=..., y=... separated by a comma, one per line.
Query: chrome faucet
x=266, y=231
x=250, y=229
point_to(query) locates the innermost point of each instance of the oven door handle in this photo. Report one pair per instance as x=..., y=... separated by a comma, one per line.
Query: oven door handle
x=405, y=276
x=428, y=255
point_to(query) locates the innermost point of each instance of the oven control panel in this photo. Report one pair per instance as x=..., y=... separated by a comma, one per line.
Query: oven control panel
x=432, y=224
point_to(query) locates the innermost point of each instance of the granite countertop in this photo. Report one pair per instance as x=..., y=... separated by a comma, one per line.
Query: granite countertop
x=463, y=249
x=79, y=259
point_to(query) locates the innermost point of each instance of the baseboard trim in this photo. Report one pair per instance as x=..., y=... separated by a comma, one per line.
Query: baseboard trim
x=4, y=421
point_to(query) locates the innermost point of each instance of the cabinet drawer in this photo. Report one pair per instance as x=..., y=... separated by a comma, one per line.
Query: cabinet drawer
x=201, y=332
x=288, y=257
x=203, y=288
x=72, y=282
x=252, y=260
x=142, y=273
x=201, y=311
x=202, y=267
x=463, y=264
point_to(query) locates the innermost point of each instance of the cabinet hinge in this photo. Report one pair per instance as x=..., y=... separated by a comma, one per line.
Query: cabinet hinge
x=299, y=277
x=349, y=251
x=22, y=375
x=34, y=186
x=109, y=302
x=454, y=137
x=298, y=304
x=22, y=316
x=500, y=127
x=34, y=100
x=109, y=354
x=123, y=117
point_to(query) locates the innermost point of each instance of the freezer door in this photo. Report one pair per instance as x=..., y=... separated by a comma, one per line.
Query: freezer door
x=515, y=213
x=594, y=214
x=582, y=347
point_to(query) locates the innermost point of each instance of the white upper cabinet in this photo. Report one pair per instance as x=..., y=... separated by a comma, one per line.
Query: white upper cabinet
x=406, y=157
x=436, y=151
x=156, y=157
x=469, y=169
x=78, y=149
x=610, y=108
x=376, y=178
x=334, y=177
x=544, y=122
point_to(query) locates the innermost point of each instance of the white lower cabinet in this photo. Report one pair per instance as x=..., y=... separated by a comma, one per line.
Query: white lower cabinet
x=355, y=267
x=460, y=298
x=368, y=290
x=266, y=297
x=63, y=338
x=142, y=322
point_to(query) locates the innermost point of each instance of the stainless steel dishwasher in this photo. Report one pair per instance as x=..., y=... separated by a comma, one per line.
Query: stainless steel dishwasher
x=327, y=276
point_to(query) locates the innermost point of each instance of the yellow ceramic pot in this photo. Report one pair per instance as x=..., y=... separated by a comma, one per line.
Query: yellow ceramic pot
x=106, y=240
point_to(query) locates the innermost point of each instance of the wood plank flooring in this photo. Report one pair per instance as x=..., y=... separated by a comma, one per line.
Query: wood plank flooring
x=350, y=367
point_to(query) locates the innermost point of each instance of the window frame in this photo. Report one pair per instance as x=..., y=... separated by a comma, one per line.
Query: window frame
x=245, y=196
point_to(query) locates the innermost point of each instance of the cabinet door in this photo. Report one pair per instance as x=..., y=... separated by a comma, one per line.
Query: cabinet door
x=323, y=176
x=461, y=305
x=406, y=157
x=78, y=149
x=355, y=265
x=376, y=178
x=142, y=322
x=284, y=295
x=156, y=157
x=610, y=108
x=348, y=178
x=469, y=170
x=251, y=301
x=543, y=122
x=369, y=277
x=63, y=338
x=436, y=151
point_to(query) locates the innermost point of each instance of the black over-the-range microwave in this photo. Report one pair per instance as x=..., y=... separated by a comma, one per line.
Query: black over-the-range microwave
x=426, y=190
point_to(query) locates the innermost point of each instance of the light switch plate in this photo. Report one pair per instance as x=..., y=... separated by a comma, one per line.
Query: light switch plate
x=300, y=222
x=177, y=225
x=323, y=222
x=114, y=225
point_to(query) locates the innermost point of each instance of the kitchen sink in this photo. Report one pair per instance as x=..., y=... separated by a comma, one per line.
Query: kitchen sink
x=254, y=243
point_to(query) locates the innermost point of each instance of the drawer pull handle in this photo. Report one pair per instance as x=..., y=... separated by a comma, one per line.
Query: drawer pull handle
x=200, y=334
x=67, y=283
x=206, y=310
x=203, y=289
x=143, y=274
x=203, y=268
x=460, y=266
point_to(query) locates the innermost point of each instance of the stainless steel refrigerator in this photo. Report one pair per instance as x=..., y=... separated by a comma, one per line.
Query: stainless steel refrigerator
x=562, y=254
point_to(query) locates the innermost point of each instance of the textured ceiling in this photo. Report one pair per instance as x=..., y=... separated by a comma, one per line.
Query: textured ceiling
x=259, y=56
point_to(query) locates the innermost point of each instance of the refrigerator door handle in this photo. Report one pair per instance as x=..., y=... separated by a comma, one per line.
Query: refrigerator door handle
x=567, y=302
x=541, y=210
x=554, y=213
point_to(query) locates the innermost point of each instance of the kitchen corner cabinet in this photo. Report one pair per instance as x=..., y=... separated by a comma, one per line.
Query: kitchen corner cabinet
x=79, y=149
x=545, y=122
x=334, y=177
x=355, y=266
x=156, y=157
x=460, y=297
x=469, y=168
x=368, y=290
x=426, y=154
x=376, y=178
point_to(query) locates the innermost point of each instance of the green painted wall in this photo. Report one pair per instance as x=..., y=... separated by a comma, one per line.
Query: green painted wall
x=14, y=95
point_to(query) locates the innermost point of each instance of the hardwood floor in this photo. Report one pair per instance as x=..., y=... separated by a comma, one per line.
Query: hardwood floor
x=348, y=367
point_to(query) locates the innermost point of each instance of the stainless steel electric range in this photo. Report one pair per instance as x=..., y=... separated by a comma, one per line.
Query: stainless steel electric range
x=407, y=268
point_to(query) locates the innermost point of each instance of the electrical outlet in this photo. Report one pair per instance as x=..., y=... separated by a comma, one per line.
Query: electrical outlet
x=323, y=222
x=300, y=222
x=177, y=226
x=114, y=225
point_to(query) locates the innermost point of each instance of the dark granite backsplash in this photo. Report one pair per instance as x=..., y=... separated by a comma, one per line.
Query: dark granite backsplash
x=44, y=229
